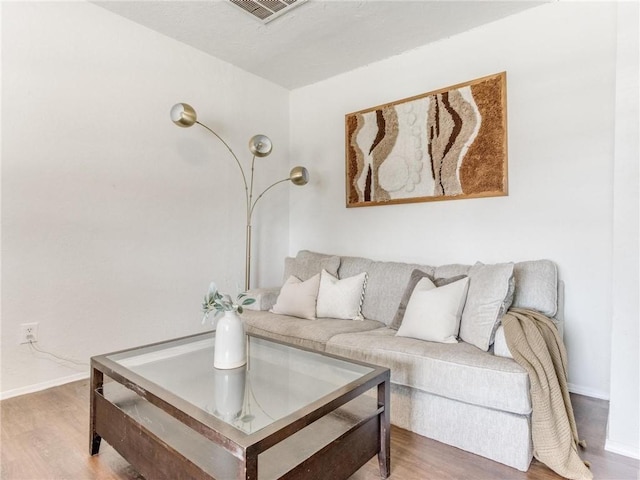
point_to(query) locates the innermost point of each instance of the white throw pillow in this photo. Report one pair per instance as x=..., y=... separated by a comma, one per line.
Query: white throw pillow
x=433, y=314
x=298, y=298
x=341, y=298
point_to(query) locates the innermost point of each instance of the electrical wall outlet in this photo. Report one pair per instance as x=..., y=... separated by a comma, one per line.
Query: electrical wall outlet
x=28, y=332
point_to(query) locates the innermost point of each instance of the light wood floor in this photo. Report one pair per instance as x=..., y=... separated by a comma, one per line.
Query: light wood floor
x=45, y=436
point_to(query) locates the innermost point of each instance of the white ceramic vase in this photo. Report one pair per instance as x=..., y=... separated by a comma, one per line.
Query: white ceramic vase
x=230, y=349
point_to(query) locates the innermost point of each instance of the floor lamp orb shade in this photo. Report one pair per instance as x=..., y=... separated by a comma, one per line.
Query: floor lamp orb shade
x=299, y=176
x=260, y=145
x=183, y=115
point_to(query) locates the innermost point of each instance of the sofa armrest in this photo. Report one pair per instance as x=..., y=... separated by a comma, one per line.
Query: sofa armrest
x=265, y=298
x=559, y=318
x=500, y=348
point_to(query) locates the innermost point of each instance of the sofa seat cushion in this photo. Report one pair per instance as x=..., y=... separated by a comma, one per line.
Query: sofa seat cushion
x=458, y=371
x=306, y=333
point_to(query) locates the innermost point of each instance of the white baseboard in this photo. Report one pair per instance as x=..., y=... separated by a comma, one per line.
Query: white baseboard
x=43, y=386
x=588, y=392
x=622, y=449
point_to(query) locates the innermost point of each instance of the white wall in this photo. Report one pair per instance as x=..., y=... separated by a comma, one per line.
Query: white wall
x=560, y=64
x=114, y=220
x=624, y=416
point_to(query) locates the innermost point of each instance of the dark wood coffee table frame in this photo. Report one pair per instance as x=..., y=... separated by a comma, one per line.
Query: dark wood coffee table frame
x=155, y=458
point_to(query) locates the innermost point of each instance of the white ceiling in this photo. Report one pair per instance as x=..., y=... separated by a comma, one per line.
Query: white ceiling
x=316, y=40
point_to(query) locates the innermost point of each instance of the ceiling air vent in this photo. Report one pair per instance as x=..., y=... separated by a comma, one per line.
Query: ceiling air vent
x=267, y=10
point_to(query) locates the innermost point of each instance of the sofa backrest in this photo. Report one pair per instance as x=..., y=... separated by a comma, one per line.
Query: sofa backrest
x=386, y=282
x=537, y=286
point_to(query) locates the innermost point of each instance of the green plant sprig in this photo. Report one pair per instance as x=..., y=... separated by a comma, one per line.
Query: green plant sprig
x=215, y=301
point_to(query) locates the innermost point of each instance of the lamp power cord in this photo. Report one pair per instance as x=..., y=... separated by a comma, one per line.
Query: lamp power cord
x=35, y=349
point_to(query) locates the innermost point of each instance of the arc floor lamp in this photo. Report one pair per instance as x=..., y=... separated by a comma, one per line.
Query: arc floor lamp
x=184, y=115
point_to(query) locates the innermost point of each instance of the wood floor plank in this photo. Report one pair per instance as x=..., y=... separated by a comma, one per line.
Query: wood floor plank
x=44, y=437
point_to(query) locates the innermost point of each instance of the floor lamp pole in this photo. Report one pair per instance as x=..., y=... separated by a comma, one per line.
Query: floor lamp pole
x=247, y=268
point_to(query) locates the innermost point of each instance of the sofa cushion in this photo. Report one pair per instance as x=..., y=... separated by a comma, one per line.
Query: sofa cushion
x=341, y=298
x=458, y=371
x=312, y=334
x=537, y=286
x=298, y=298
x=433, y=313
x=416, y=276
x=307, y=264
x=490, y=295
x=386, y=282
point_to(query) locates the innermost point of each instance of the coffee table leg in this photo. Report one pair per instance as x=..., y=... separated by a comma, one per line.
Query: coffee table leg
x=384, y=455
x=97, y=379
x=251, y=466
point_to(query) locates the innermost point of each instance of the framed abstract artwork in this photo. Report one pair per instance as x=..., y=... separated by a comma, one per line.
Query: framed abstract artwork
x=446, y=144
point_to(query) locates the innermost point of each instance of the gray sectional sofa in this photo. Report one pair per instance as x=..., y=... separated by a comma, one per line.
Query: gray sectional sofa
x=455, y=393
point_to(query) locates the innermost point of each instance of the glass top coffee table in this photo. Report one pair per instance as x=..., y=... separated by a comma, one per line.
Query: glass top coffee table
x=289, y=413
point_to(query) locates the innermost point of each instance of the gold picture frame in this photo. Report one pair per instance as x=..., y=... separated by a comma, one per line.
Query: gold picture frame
x=442, y=145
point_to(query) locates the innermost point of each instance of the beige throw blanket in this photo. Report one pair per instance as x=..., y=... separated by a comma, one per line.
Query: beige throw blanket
x=535, y=344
